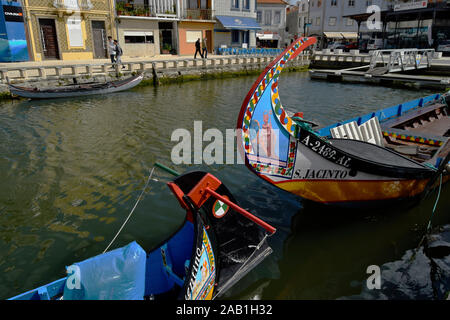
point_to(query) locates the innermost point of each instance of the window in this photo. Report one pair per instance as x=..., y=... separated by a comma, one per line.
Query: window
x=75, y=32
x=333, y=3
x=192, y=36
x=349, y=22
x=138, y=37
x=235, y=36
x=351, y=3
x=277, y=17
x=258, y=16
x=247, y=4
x=303, y=7
x=267, y=18
x=234, y=4
x=318, y=21
x=332, y=21
x=192, y=4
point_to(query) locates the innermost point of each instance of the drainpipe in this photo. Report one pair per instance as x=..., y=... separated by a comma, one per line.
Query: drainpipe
x=177, y=38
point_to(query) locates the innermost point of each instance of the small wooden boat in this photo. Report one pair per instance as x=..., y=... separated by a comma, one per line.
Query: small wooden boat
x=217, y=244
x=77, y=90
x=395, y=153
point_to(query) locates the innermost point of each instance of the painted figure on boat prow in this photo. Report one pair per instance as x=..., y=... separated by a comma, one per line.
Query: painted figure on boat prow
x=386, y=155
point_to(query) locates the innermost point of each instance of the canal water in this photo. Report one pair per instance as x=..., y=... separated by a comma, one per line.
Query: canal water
x=71, y=171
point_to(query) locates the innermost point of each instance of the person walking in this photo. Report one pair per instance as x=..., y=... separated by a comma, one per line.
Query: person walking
x=204, y=49
x=119, y=52
x=111, y=50
x=197, y=49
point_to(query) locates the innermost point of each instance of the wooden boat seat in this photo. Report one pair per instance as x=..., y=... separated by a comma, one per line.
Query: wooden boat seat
x=374, y=153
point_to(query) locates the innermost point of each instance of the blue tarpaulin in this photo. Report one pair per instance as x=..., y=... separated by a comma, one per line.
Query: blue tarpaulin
x=238, y=23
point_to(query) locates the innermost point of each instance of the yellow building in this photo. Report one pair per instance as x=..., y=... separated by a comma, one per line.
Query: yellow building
x=68, y=29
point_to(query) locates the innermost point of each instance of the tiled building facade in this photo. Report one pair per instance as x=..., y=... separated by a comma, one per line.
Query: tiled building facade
x=68, y=29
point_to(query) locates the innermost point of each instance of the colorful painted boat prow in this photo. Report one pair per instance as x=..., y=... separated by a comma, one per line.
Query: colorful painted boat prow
x=217, y=244
x=347, y=170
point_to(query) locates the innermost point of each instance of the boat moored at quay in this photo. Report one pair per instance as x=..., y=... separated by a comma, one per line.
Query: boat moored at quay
x=216, y=245
x=398, y=153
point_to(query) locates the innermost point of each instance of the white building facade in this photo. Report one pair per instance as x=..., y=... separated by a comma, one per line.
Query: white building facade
x=329, y=21
x=271, y=15
x=236, y=24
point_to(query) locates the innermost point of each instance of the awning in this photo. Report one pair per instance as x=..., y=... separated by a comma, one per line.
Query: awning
x=341, y=35
x=238, y=23
x=334, y=35
x=268, y=36
x=350, y=35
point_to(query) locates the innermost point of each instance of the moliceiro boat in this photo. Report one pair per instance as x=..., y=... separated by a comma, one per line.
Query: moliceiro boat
x=77, y=90
x=398, y=153
x=218, y=243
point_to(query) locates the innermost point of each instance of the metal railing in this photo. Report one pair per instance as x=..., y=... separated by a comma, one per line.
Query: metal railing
x=250, y=51
x=128, y=9
x=198, y=14
x=401, y=59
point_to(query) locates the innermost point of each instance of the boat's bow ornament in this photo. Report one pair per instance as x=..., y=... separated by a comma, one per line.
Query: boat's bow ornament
x=261, y=107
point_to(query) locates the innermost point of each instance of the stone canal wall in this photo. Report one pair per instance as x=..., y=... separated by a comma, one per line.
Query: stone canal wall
x=156, y=71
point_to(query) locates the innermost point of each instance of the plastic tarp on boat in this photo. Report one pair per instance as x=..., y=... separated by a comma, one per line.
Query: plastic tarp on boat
x=115, y=275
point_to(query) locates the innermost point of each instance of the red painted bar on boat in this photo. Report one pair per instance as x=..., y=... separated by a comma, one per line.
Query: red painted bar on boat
x=245, y=213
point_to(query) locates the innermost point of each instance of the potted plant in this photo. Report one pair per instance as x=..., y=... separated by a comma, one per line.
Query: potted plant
x=120, y=8
x=166, y=48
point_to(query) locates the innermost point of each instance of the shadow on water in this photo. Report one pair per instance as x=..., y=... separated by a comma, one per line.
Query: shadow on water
x=327, y=251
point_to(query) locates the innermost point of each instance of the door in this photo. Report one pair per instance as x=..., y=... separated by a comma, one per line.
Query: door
x=165, y=36
x=99, y=39
x=49, y=40
x=209, y=40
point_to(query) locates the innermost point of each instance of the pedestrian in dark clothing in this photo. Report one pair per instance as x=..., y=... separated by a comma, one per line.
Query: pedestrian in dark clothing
x=197, y=49
x=119, y=53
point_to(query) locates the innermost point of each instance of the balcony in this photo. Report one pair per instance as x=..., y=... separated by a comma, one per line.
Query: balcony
x=144, y=10
x=198, y=14
x=137, y=10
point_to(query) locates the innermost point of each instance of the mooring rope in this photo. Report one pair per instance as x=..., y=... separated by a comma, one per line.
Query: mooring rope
x=435, y=203
x=431, y=217
x=132, y=210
